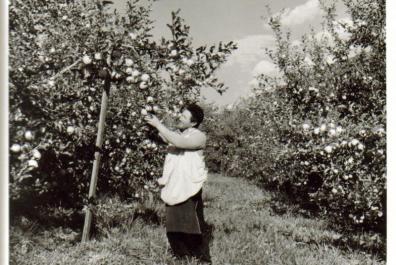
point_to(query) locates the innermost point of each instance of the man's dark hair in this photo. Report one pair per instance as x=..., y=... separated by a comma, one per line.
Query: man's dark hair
x=197, y=113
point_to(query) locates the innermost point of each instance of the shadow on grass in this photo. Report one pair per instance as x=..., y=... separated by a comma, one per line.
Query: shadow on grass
x=110, y=213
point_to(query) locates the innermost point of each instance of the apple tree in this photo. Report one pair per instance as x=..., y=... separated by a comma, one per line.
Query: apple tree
x=61, y=54
x=327, y=114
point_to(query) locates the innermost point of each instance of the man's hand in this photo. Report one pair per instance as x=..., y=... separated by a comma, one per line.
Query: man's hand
x=194, y=141
x=152, y=120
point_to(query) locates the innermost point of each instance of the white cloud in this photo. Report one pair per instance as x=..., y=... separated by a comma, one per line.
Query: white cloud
x=298, y=15
x=296, y=44
x=301, y=14
x=251, y=57
x=325, y=36
x=267, y=68
x=254, y=83
x=264, y=67
x=251, y=50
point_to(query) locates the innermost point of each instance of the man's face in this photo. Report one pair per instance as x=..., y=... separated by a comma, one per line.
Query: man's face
x=184, y=120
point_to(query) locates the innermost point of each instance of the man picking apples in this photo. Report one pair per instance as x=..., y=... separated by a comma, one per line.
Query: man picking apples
x=183, y=176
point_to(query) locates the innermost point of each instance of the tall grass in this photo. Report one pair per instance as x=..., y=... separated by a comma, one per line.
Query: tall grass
x=244, y=230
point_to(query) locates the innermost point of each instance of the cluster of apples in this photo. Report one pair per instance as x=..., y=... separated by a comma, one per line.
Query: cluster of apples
x=116, y=67
x=35, y=154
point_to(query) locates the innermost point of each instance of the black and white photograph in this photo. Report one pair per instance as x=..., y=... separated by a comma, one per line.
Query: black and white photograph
x=224, y=132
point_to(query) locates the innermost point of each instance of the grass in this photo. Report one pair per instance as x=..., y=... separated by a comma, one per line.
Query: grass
x=244, y=228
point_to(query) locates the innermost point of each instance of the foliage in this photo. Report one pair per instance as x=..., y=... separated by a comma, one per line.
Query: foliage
x=64, y=56
x=324, y=123
x=113, y=212
x=232, y=133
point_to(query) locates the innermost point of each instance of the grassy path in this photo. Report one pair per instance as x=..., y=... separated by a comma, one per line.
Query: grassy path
x=245, y=231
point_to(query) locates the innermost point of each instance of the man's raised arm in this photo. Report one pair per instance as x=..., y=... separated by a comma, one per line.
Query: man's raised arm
x=194, y=141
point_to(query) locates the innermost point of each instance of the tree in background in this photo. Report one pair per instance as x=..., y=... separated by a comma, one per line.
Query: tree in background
x=323, y=120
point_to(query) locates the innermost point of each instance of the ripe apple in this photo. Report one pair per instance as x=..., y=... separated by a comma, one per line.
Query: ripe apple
x=28, y=135
x=328, y=149
x=51, y=83
x=32, y=163
x=116, y=75
x=143, y=85
x=130, y=79
x=16, y=148
x=70, y=130
x=190, y=62
x=129, y=71
x=98, y=56
x=173, y=53
x=145, y=77
x=86, y=59
x=132, y=35
x=128, y=62
x=135, y=73
x=36, y=154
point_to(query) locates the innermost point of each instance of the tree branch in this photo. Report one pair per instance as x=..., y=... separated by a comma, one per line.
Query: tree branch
x=65, y=69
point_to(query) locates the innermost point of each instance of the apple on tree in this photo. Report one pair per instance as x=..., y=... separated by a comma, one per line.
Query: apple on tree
x=86, y=59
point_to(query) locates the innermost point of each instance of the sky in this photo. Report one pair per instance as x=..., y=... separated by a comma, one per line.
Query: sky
x=243, y=22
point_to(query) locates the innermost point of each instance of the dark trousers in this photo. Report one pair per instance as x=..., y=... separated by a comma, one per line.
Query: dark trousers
x=192, y=244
